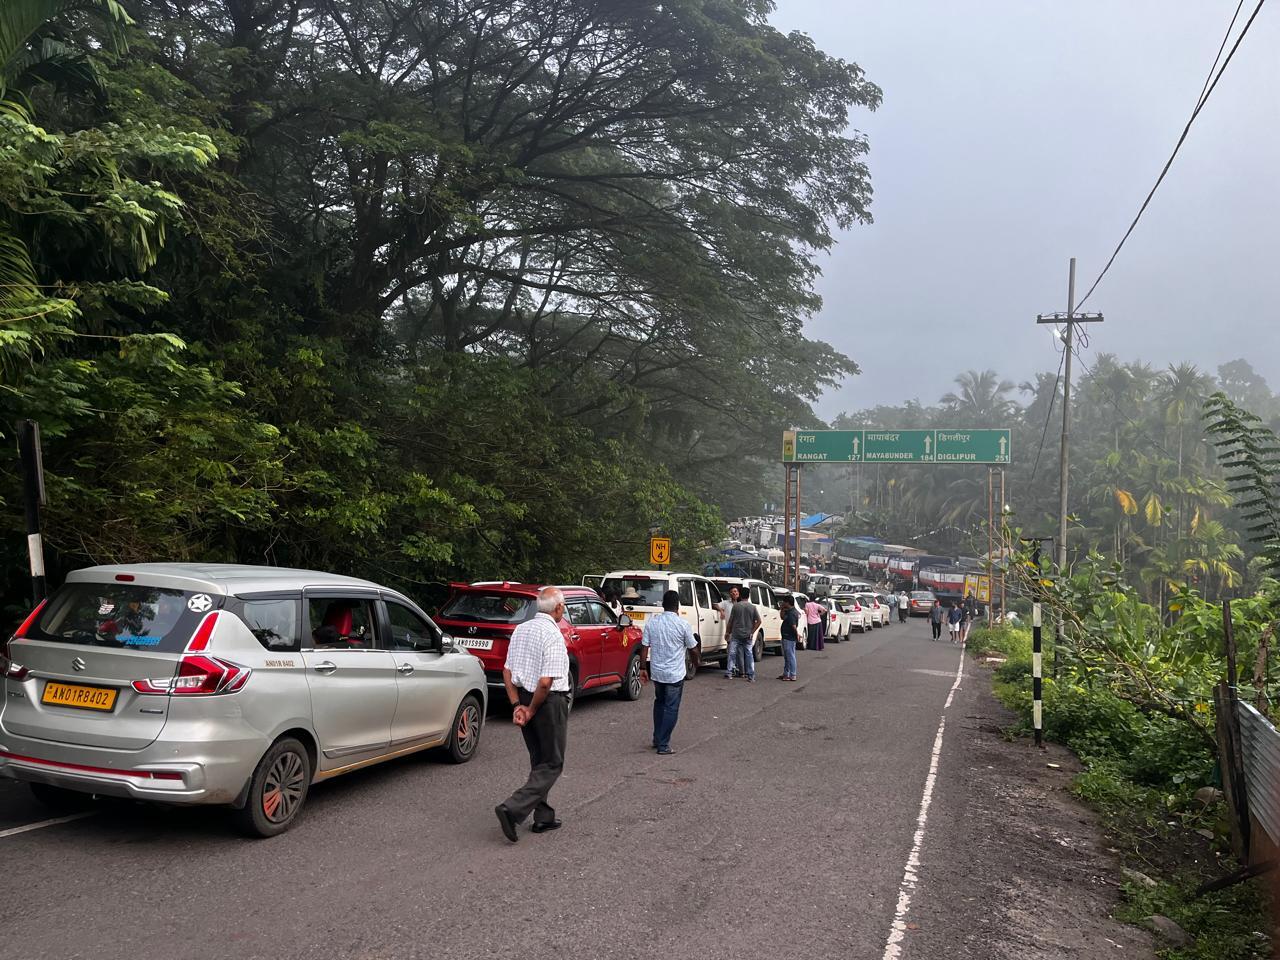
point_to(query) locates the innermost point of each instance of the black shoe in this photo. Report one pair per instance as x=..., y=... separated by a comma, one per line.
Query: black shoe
x=666, y=752
x=544, y=827
x=507, y=822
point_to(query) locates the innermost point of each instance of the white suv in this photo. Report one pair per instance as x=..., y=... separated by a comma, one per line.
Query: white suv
x=640, y=593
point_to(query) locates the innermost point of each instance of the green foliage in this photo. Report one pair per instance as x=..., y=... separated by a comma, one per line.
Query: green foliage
x=420, y=292
x=1132, y=700
x=1250, y=457
x=1229, y=924
x=1146, y=490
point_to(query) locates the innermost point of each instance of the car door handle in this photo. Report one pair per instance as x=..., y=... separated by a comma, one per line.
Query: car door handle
x=573, y=636
x=326, y=667
x=405, y=669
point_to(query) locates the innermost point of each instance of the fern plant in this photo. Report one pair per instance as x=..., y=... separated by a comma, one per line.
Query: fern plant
x=1249, y=453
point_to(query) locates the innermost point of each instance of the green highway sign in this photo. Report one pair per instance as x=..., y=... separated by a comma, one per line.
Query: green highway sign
x=897, y=446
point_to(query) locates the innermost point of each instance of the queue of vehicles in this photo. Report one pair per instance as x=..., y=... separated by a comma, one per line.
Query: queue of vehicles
x=243, y=686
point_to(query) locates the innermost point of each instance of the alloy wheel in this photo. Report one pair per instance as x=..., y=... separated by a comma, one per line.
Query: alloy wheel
x=468, y=728
x=284, y=787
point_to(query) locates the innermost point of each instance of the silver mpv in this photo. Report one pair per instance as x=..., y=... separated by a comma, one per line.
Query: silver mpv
x=224, y=684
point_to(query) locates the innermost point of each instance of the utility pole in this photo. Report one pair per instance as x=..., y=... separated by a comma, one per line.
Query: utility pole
x=1070, y=318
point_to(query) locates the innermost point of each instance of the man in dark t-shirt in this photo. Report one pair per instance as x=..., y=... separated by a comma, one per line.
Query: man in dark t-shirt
x=744, y=621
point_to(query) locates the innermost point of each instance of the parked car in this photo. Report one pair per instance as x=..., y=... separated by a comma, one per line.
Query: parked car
x=640, y=593
x=879, y=611
x=857, y=615
x=921, y=603
x=761, y=596
x=225, y=684
x=604, y=649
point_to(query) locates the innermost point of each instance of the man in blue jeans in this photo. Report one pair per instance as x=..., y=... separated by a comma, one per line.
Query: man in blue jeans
x=666, y=638
x=790, y=637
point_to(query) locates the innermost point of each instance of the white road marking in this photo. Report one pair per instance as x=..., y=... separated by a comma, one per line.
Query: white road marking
x=25, y=828
x=910, y=875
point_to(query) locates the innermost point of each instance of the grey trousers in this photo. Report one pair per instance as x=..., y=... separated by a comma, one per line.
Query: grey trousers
x=544, y=738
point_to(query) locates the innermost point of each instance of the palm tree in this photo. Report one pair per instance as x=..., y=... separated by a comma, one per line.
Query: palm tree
x=982, y=399
x=1182, y=391
x=1213, y=555
x=31, y=53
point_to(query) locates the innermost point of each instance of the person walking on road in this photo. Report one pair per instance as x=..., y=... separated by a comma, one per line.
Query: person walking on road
x=666, y=638
x=790, y=637
x=955, y=616
x=536, y=677
x=904, y=606
x=726, y=607
x=813, y=611
x=935, y=618
x=892, y=600
x=970, y=614
x=744, y=621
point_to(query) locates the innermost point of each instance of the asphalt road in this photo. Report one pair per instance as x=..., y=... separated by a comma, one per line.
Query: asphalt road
x=779, y=829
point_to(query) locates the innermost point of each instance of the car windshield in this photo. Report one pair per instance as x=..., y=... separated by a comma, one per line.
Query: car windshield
x=642, y=591
x=490, y=607
x=867, y=598
x=921, y=595
x=123, y=615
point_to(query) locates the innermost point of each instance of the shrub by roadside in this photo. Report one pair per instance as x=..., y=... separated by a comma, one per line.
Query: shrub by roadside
x=1146, y=774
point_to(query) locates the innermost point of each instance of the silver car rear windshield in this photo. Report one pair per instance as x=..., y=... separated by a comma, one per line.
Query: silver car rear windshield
x=490, y=607
x=123, y=615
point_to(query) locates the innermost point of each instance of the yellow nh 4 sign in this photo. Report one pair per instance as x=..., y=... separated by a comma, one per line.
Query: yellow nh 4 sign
x=660, y=551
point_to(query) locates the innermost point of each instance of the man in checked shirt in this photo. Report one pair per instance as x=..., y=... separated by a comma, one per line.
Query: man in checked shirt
x=537, y=679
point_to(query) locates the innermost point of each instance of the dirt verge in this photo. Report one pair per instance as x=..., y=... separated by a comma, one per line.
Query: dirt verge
x=1016, y=868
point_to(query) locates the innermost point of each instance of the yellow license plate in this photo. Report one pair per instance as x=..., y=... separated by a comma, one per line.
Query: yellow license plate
x=635, y=616
x=74, y=695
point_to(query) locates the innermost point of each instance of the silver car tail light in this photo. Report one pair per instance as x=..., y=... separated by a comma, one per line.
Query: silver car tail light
x=198, y=676
x=9, y=669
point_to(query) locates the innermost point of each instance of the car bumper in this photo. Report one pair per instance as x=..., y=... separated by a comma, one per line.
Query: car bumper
x=193, y=771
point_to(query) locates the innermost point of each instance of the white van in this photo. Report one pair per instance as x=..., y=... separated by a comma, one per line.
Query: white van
x=640, y=594
x=769, y=636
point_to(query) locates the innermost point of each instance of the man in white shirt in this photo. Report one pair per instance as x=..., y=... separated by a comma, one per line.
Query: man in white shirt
x=666, y=638
x=537, y=679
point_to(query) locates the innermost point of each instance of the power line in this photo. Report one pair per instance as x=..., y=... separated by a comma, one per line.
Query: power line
x=1206, y=92
x=1053, y=398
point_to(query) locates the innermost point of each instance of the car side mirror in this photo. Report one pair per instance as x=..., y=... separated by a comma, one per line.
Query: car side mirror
x=447, y=643
x=623, y=622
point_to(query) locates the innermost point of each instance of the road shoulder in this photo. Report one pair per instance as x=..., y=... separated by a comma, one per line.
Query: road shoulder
x=1015, y=866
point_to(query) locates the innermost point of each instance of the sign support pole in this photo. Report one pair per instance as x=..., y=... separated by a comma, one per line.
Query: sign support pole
x=797, y=575
x=786, y=524
x=991, y=536
x=1003, y=557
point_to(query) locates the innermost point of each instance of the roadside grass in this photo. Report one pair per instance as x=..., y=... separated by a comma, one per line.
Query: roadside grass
x=1141, y=774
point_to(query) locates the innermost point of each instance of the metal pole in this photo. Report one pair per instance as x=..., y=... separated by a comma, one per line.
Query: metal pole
x=798, y=529
x=1037, y=676
x=786, y=524
x=1003, y=558
x=33, y=498
x=991, y=521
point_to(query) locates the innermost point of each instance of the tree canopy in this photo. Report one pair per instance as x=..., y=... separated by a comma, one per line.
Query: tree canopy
x=412, y=289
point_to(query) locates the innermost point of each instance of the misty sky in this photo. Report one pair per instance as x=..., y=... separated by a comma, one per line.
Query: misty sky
x=1014, y=135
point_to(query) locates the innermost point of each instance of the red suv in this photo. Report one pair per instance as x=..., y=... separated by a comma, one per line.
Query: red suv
x=603, y=652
